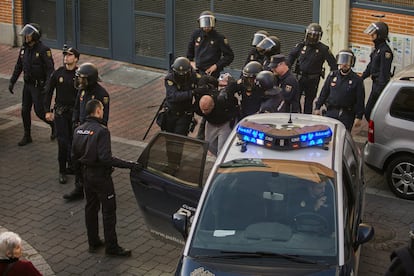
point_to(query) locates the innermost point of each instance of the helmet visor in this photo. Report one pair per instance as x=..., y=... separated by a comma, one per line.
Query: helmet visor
x=28, y=29
x=80, y=81
x=207, y=21
x=266, y=44
x=257, y=38
x=371, y=29
x=313, y=37
x=345, y=58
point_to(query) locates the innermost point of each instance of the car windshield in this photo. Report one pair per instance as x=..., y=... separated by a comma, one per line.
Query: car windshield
x=272, y=206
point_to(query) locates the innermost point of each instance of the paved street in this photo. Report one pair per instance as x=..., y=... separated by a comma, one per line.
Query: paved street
x=54, y=231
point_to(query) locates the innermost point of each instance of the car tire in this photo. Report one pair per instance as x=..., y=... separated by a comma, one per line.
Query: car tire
x=400, y=176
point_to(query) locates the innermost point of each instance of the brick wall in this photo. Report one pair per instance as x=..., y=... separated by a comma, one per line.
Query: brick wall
x=361, y=18
x=6, y=11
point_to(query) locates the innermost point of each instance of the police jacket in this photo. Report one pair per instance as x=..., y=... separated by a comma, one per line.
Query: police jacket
x=209, y=48
x=254, y=55
x=345, y=92
x=62, y=81
x=310, y=58
x=179, y=97
x=250, y=102
x=91, y=146
x=95, y=91
x=379, y=67
x=36, y=63
x=290, y=92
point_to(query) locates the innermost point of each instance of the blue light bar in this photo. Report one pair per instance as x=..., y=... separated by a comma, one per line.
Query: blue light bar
x=284, y=139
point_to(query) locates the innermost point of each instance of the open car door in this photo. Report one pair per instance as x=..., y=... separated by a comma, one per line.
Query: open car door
x=171, y=179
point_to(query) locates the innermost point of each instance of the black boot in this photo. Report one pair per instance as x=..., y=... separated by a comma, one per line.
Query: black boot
x=118, y=251
x=27, y=139
x=76, y=194
x=62, y=178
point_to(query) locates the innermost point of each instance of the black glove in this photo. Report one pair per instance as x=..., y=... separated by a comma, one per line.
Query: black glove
x=135, y=166
x=11, y=86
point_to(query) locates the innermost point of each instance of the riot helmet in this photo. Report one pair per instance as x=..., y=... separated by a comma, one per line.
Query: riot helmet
x=380, y=28
x=345, y=57
x=181, y=70
x=31, y=30
x=86, y=76
x=269, y=46
x=313, y=34
x=207, y=20
x=250, y=70
x=265, y=79
x=258, y=37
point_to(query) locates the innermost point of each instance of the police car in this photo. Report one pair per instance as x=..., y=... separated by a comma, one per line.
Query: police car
x=285, y=196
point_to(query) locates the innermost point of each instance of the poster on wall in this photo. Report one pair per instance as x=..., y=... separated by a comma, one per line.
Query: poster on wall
x=401, y=45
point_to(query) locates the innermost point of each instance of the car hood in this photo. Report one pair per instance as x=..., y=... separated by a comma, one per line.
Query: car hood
x=204, y=266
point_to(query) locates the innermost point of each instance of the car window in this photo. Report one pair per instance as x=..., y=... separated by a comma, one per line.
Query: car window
x=403, y=104
x=276, y=206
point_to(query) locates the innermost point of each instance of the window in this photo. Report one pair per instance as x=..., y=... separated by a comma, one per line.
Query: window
x=403, y=105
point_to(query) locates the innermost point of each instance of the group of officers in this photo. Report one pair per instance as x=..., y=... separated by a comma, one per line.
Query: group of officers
x=195, y=84
x=269, y=82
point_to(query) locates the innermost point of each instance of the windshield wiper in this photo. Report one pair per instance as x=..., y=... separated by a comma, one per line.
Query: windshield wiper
x=247, y=162
x=258, y=254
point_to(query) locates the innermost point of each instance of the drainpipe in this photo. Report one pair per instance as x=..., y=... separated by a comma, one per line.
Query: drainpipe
x=14, y=24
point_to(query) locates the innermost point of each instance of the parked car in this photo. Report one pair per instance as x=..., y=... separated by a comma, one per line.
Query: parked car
x=285, y=196
x=390, y=146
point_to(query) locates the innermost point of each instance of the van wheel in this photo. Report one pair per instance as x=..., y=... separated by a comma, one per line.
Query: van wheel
x=400, y=176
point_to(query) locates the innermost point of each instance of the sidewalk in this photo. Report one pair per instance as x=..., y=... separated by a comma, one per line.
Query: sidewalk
x=54, y=230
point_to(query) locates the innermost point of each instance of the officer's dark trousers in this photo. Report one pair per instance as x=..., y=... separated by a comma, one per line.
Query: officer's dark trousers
x=64, y=134
x=32, y=96
x=99, y=190
x=373, y=97
x=310, y=87
x=346, y=116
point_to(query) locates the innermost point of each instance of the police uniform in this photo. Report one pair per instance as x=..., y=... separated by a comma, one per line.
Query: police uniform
x=84, y=95
x=254, y=55
x=379, y=68
x=250, y=100
x=310, y=59
x=91, y=151
x=290, y=92
x=207, y=49
x=37, y=65
x=179, y=103
x=62, y=81
x=344, y=97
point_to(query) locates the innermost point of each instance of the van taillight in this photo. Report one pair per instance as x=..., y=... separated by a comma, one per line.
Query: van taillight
x=371, y=131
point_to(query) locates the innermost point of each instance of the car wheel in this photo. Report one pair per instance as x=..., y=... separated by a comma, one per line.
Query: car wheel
x=400, y=176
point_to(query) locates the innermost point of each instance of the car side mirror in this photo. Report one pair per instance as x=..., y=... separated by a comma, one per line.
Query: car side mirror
x=180, y=222
x=365, y=233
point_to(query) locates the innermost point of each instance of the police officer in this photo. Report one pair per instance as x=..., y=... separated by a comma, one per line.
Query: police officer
x=91, y=150
x=62, y=81
x=272, y=99
x=208, y=50
x=36, y=62
x=379, y=67
x=86, y=81
x=251, y=94
x=180, y=83
x=343, y=92
x=310, y=56
x=287, y=83
x=256, y=53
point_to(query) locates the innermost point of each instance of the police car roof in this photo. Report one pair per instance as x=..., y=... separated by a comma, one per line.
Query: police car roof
x=324, y=156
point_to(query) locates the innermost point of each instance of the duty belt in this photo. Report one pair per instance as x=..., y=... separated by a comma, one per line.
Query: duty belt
x=60, y=109
x=310, y=76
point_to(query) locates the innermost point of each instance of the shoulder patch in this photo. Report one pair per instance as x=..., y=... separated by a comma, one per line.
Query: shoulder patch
x=198, y=75
x=106, y=100
x=60, y=79
x=49, y=53
x=388, y=55
x=226, y=41
x=37, y=54
x=288, y=88
x=170, y=83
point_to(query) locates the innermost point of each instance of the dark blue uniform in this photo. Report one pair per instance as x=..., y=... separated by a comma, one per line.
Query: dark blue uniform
x=290, y=92
x=91, y=151
x=37, y=65
x=62, y=80
x=179, y=103
x=207, y=49
x=250, y=100
x=84, y=95
x=310, y=59
x=379, y=68
x=344, y=97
